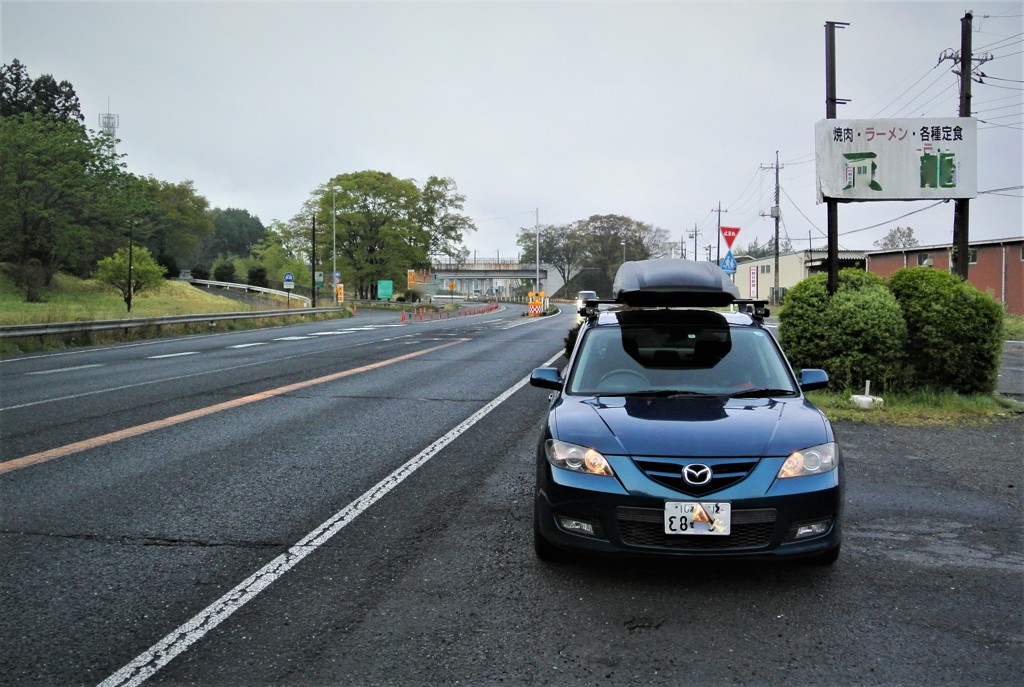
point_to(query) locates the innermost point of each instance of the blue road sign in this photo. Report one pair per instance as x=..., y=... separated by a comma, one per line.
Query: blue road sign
x=729, y=263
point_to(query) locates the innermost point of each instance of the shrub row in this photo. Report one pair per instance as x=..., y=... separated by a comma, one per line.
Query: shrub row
x=925, y=329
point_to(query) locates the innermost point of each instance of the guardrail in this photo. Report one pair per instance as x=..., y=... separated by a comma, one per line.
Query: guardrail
x=50, y=328
x=247, y=287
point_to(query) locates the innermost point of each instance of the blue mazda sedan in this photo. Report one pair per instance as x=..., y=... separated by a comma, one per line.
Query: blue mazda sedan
x=680, y=430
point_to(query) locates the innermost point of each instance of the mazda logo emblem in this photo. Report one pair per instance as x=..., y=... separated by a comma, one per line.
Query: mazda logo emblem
x=697, y=474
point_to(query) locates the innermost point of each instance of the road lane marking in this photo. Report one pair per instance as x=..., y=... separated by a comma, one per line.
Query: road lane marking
x=178, y=378
x=146, y=664
x=258, y=343
x=104, y=439
x=171, y=355
x=64, y=369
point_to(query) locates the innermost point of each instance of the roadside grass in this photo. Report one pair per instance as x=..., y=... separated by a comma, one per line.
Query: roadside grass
x=919, y=408
x=1013, y=328
x=68, y=299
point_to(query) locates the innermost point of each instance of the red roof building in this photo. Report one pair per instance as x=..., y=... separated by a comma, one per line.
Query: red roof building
x=996, y=266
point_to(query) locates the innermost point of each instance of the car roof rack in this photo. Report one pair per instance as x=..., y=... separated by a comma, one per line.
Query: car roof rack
x=674, y=283
x=671, y=282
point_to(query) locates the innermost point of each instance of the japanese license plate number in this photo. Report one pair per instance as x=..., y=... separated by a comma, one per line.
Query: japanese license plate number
x=698, y=517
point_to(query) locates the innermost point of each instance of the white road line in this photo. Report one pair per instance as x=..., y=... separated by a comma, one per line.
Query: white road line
x=258, y=343
x=180, y=639
x=64, y=369
x=171, y=355
x=292, y=338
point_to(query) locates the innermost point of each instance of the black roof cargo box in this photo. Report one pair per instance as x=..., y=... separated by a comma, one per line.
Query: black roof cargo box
x=671, y=282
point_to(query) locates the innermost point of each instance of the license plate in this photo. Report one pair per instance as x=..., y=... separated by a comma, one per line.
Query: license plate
x=698, y=517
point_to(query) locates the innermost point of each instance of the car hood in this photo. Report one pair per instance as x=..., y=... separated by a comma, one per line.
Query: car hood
x=704, y=427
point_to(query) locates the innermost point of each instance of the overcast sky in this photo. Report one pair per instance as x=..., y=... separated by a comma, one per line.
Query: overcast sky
x=658, y=111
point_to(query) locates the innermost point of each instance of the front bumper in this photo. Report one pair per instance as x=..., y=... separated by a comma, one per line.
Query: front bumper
x=598, y=515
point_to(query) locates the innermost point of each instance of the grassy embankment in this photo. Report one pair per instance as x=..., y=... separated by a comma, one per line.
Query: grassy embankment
x=68, y=299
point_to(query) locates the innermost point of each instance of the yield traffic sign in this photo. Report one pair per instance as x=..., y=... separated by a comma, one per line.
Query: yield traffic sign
x=729, y=234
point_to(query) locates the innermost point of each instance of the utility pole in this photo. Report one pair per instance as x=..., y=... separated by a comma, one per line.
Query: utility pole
x=961, y=206
x=312, y=264
x=718, y=255
x=777, y=215
x=830, y=113
x=694, y=236
x=536, y=224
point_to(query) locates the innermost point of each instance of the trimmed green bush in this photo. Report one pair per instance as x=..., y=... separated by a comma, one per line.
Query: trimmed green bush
x=857, y=335
x=224, y=270
x=954, y=331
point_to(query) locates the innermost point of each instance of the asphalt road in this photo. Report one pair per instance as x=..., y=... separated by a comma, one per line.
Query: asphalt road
x=374, y=529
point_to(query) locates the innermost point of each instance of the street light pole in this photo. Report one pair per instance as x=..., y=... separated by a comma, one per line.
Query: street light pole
x=623, y=250
x=536, y=223
x=334, y=230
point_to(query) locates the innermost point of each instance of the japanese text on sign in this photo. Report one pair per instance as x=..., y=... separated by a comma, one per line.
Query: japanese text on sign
x=896, y=159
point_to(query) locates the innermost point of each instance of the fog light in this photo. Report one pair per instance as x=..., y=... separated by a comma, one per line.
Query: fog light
x=812, y=529
x=581, y=526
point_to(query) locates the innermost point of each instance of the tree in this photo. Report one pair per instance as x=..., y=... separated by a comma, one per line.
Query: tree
x=563, y=246
x=171, y=220
x=596, y=244
x=15, y=89
x=439, y=217
x=146, y=274
x=235, y=232
x=377, y=237
x=61, y=194
x=899, y=237
x=20, y=94
x=763, y=250
x=277, y=257
x=224, y=270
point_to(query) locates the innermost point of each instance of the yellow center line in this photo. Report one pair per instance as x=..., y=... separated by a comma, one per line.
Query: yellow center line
x=62, y=451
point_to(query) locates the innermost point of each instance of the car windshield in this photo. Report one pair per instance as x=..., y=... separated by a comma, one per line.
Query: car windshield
x=680, y=359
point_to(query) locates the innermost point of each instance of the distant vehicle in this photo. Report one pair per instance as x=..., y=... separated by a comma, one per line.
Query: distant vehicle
x=583, y=296
x=680, y=431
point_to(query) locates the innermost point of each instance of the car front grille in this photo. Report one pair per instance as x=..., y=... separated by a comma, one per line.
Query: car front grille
x=751, y=529
x=669, y=472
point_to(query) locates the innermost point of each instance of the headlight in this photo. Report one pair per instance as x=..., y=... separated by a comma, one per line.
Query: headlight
x=568, y=456
x=811, y=461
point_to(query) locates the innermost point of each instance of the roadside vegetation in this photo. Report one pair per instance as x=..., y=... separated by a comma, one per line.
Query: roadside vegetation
x=70, y=299
x=928, y=343
x=919, y=408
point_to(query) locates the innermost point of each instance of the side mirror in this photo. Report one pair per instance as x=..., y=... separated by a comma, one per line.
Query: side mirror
x=546, y=378
x=811, y=379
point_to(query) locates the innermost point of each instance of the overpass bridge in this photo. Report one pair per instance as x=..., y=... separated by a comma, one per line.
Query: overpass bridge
x=494, y=277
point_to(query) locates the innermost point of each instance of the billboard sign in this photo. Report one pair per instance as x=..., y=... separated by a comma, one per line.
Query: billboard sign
x=897, y=159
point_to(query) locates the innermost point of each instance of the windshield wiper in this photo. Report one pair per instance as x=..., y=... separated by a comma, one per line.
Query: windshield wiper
x=759, y=393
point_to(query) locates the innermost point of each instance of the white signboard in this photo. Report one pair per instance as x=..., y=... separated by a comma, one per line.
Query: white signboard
x=753, y=282
x=897, y=159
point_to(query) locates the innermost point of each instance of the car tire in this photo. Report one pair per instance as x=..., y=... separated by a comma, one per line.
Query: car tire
x=827, y=558
x=545, y=550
